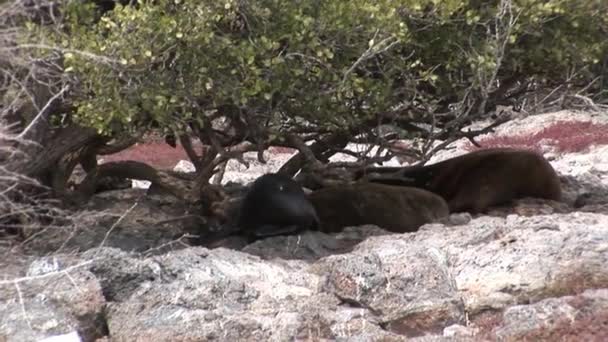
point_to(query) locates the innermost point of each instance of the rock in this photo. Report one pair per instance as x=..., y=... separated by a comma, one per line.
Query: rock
x=198, y=294
x=460, y=331
x=529, y=270
x=54, y=297
x=312, y=245
x=69, y=337
x=118, y=272
x=140, y=184
x=459, y=218
x=184, y=166
x=583, y=317
x=381, y=287
x=498, y=262
x=410, y=289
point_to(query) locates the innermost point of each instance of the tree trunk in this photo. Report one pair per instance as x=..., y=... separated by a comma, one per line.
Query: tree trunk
x=321, y=150
x=42, y=156
x=180, y=188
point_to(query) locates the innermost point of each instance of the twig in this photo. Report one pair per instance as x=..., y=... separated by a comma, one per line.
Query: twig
x=118, y=222
x=372, y=50
x=41, y=115
x=178, y=240
x=469, y=135
x=22, y=304
x=589, y=102
x=180, y=218
x=46, y=275
x=86, y=54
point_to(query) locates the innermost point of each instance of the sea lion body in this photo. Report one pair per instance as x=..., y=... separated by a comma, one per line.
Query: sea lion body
x=275, y=204
x=394, y=208
x=480, y=179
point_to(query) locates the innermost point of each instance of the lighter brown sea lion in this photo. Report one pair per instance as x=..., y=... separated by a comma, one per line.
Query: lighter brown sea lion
x=478, y=180
x=394, y=208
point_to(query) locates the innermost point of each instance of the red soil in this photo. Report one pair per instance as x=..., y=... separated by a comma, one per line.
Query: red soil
x=566, y=136
x=162, y=156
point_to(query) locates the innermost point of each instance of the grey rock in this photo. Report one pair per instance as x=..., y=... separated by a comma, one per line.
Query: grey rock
x=54, y=297
x=200, y=294
x=459, y=219
x=410, y=289
x=220, y=294
x=363, y=284
x=312, y=245
x=585, y=189
x=503, y=261
x=583, y=317
x=459, y=331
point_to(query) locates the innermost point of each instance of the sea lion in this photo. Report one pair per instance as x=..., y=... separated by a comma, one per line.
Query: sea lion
x=394, y=208
x=480, y=179
x=274, y=204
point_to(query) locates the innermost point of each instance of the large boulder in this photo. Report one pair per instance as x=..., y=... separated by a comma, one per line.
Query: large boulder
x=442, y=282
x=51, y=296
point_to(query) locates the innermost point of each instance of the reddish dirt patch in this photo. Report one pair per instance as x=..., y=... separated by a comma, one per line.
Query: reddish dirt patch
x=487, y=322
x=156, y=153
x=567, y=136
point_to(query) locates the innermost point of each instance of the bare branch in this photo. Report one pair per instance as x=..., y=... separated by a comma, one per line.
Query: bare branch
x=42, y=115
x=373, y=50
x=85, y=54
x=122, y=217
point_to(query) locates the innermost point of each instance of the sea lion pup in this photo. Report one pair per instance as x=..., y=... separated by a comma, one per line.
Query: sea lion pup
x=394, y=208
x=480, y=179
x=275, y=204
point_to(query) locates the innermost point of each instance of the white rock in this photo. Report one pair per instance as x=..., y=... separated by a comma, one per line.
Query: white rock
x=184, y=166
x=140, y=184
x=70, y=337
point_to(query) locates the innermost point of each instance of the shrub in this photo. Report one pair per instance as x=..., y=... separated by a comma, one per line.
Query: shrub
x=333, y=65
x=244, y=75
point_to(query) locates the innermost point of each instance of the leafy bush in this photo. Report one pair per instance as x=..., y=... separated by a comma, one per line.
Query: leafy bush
x=330, y=63
x=295, y=73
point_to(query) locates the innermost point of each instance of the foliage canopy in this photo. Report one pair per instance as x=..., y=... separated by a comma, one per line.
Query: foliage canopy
x=332, y=63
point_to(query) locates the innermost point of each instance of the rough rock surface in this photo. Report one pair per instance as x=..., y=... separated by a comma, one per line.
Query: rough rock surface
x=51, y=298
x=391, y=286
x=534, y=270
x=583, y=317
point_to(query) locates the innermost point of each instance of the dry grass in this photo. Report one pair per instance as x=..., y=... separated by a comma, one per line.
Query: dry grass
x=28, y=209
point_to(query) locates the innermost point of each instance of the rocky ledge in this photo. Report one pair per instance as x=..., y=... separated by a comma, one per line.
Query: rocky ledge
x=495, y=277
x=533, y=271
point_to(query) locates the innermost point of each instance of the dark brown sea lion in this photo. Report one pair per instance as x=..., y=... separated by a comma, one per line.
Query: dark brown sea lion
x=394, y=208
x=274, y=204
x=480, y=179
